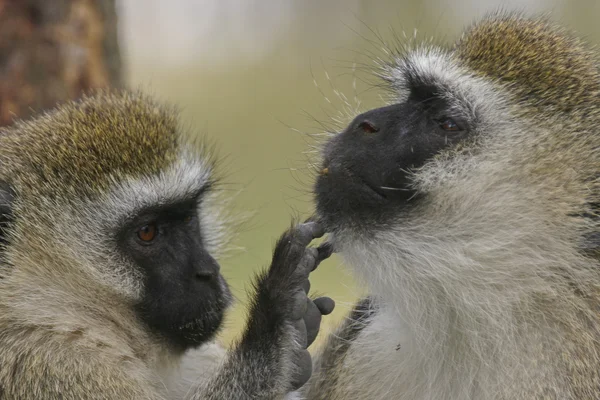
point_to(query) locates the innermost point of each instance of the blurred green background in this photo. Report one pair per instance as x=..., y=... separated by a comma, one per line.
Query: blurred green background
x=263, y=79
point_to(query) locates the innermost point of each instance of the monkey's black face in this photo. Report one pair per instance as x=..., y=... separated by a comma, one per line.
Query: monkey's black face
x=366, y=176
x=185, y=295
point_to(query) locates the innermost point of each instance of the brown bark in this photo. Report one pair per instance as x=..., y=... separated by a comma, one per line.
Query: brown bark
x=53, y=50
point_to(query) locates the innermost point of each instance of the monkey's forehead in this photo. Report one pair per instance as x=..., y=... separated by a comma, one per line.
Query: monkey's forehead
x=84, y=145
x=537, y=64
x=540, y=62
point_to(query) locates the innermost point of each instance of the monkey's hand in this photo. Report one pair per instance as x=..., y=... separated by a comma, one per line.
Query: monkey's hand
x=282, y=310
x=272, y=360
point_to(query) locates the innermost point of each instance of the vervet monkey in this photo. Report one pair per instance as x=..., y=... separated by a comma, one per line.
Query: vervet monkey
x=469, y=207
x=109, y=222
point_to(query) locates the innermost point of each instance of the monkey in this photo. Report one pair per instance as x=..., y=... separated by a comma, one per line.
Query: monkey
x=468, y=207
x=108, y=285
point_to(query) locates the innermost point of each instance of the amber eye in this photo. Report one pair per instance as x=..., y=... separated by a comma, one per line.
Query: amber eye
x=448, y=124
x=147, y=233
x=188, y=219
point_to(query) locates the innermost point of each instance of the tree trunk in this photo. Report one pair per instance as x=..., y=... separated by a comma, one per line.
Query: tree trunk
x=52, y=51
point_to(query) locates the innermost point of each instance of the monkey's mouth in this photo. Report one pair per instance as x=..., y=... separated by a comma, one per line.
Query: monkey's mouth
x=344, y=197
x=347, y=198
x=353, y=179
x=378, y=191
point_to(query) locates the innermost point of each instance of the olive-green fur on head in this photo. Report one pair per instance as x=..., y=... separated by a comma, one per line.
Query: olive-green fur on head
x=553, y=80
x=82, y=172
x=78, y=147
x=544, y=65
x=530, y=91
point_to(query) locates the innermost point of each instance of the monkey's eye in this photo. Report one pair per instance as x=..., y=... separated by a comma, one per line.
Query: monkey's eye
x=147, y=233
x=368, y=127
x=188, y=219
x=448, y=124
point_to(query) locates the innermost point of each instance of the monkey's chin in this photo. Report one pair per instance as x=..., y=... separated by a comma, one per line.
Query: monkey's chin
x=344, y=203
x=196, y=332
x=206, y=325
x=187, y=320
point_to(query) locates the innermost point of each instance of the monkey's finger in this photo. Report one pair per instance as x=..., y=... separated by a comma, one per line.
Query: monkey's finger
x=301, y=333
x=290, y=255
x=325, y=305
x=308, y=261
x=312, y=319
x=325, y=250
x=303, y=369
x=305, y=233
x=306, y=286
x=299, y=305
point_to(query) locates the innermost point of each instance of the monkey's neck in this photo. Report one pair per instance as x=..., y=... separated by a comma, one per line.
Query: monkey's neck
x=474, y=302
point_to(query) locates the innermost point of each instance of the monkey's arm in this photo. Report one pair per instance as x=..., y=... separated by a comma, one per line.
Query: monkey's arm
x=271, y=359
x=323, y=382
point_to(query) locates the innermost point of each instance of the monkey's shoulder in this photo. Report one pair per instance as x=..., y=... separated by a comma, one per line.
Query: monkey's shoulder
x=361, y=316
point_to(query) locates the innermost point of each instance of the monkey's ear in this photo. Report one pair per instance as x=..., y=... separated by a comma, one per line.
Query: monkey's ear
x=7, y=197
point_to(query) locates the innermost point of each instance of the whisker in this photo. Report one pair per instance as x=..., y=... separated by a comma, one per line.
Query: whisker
x=394, y=188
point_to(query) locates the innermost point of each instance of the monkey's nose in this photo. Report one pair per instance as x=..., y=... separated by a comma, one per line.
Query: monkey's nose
x=368, y=126
x=206, y=268
x=205, y=276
